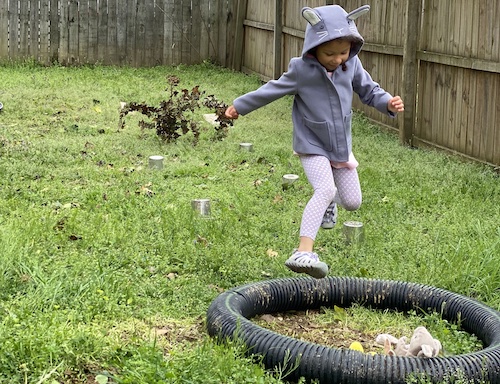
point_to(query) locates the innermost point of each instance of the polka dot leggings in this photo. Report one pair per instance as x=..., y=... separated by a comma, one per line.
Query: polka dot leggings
x=340, y=185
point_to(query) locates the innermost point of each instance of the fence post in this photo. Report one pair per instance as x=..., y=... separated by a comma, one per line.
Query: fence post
x=410, y=70
x=278, y=38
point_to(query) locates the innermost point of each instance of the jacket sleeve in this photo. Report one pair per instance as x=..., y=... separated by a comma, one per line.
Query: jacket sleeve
x=370, y=92
x=272, y=90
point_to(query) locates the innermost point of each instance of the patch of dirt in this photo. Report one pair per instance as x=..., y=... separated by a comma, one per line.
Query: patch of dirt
x=304, y=325
x=177, y=333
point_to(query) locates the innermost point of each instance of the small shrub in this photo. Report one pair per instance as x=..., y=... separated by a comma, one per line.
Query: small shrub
x=174, y=116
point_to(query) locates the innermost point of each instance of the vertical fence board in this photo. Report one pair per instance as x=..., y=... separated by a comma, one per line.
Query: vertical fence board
x=176, y=32
x=466, y=100
x=453, y=32
x=102, y=31
x=112, y=29
x=148, y=26
x=454, y=127
x=231, y=27
x=185, y=37
x=458, y=130
x=158, y=34
x=203, y=13
x=131, y=32
x=64, y=33
x=4, y=30
x=140, y=33
x=168, y=26
x=482, y=30
x=73, y=20
x=13, y=28
x=222, y=13
x=214, y=31
x=121, y=31
x=54, y=30
x=44, y=53
x=278, y=38
x=93, y=34
x=489, y=125
x=495, y=34
x=471, y=105
x=446, y=75
x=83, y=31
x=477, y=114
x=496, y=138
x=195, y=38
x=24, y=22
x=34, y=29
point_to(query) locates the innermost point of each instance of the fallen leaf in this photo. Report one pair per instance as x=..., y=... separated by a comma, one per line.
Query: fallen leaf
x=202, y=240
x=271, y=253
x=172, y=276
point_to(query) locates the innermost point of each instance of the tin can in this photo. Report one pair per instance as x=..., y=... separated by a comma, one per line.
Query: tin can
x=201, y=206
x=288, y=180
x=246, y=147
x=156, y=162
x=353, y=232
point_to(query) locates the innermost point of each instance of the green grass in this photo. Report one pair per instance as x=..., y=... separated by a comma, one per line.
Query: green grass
x=92, y=263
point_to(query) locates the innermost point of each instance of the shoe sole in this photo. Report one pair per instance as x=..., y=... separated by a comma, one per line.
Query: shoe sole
x=318, y=271
x=328, y=226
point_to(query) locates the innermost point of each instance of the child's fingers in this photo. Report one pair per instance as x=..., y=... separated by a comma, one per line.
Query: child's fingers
x=397, y=104
x=231, y=113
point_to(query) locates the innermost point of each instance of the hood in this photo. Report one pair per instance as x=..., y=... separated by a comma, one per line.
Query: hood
x=332, y=22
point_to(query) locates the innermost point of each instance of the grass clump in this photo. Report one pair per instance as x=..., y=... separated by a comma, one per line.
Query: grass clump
x=107, y=272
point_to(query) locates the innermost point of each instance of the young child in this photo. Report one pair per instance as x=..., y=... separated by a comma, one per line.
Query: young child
x=322, y=81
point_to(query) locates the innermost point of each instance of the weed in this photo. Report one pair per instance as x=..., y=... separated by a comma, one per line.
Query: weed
x=174, y=116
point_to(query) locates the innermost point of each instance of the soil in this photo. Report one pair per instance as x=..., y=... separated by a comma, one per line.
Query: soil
x=303, y=325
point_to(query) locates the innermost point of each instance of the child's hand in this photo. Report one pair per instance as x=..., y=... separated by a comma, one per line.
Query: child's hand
x=231, y=112
x=396, y=105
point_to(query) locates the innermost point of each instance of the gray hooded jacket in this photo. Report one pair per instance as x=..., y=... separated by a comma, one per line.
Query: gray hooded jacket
x=322, y=107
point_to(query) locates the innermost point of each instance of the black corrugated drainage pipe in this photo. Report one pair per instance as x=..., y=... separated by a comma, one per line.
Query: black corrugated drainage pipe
x=228, y=317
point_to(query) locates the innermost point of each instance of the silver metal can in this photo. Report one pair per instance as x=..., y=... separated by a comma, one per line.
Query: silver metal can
x=288, y=180
x=156, y=162
x=201, y=206
x=354, y=232
x=246, y=147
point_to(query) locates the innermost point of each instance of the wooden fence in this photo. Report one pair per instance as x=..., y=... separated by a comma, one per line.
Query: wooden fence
x=442, y=56
x=117, y=32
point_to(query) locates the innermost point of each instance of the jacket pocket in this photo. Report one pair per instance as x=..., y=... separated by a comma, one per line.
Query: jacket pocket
x=318, y=133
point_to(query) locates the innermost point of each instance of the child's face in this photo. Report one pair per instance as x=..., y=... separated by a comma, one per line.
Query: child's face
x=333, y=53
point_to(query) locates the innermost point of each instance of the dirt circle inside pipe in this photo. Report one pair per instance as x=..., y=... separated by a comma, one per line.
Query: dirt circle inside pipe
x=229, y=317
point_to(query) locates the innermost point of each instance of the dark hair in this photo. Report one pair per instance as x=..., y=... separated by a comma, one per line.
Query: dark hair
x=353, y=40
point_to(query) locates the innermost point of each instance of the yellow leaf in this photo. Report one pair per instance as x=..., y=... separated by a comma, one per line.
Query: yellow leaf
x=356, y=346
x=271, y=253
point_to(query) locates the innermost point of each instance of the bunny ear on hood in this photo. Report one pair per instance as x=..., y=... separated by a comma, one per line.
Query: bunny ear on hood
x=331, y=22
x=312, y=17
x=353, y=15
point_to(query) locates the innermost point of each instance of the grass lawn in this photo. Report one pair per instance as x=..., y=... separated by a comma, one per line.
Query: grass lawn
x=107, y=273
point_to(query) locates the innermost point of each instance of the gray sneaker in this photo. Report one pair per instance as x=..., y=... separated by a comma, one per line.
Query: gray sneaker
x=307, y=262
x=330, y=217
